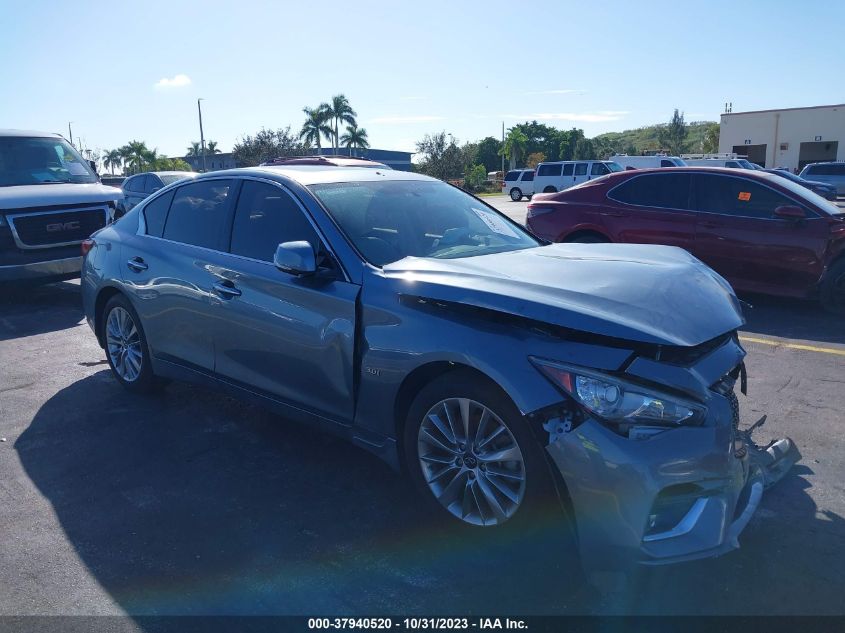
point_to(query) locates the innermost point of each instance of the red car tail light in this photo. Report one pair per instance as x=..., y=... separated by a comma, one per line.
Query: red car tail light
x=86, y=246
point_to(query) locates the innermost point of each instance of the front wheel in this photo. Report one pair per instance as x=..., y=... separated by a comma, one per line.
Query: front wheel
x=126, y=346
x=516, y=194
x=832, y=290
x=471, y=455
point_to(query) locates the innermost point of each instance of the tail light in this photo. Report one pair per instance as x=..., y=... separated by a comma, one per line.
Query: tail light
x=87, y=245
x=536, y=209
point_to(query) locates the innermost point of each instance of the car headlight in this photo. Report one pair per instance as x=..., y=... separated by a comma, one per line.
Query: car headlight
x=619, y=402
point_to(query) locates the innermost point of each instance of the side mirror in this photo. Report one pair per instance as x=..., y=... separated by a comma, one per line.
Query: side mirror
x=790, y=212
x=296, y=258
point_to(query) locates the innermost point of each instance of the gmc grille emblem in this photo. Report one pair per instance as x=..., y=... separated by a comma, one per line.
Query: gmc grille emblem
x=63, y=226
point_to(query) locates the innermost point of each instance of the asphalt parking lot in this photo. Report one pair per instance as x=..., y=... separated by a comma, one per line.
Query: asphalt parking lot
x=191, y=503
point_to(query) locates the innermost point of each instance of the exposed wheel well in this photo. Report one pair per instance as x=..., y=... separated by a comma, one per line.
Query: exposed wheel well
x=99, y=305
x=587, y=233
x=549, y=189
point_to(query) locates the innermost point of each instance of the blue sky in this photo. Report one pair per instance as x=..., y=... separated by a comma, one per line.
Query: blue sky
x=408, y=68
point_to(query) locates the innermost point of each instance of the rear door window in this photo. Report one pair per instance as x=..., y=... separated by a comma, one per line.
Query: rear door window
x=581, y=169
x=152, y=183
x=265, y=217
x=568, y=168
x=664, y=191
x=527, y=176
x=666, y=163
x=740, y=197
x=198, y=213
x=155, y=213
x=549, y=170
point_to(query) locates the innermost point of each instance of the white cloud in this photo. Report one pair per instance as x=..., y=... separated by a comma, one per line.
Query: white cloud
x=567, y=91
x=599, y=116
x=177, y=81
x=411, y=98
x=396, y=120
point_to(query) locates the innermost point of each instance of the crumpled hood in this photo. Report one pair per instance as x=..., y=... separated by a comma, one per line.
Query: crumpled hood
x=652, y=294
x=26, y=196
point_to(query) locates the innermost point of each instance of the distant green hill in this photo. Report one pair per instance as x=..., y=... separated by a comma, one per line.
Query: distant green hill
x=646, y=138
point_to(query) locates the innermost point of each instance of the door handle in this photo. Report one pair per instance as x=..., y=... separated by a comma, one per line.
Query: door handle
x=137, y=265
x=226, y=289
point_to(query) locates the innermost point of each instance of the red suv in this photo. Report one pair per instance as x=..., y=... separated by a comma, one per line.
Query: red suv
x=760, y=231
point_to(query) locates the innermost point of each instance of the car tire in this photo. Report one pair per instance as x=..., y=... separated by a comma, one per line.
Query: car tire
x=126, y=347
x=549, y=189
x=832, y=291
x=463, y=481
x=516, y=194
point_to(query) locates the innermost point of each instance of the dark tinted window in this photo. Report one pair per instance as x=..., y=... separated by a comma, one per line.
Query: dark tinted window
x=198, y=213
x=549, y=170
x=665, y=191
x=528, y=176
x=733, y=164
x=152, y=183
x=155, y=213
x=511, y=175
x=666, y=163
x=265, y=217
x=136, y=184
x=567, y=169
x=736, y=196
x=599, y=169
x=581, y=169
x=827, y=169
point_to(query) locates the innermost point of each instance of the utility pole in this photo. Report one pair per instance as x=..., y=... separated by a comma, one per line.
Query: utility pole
x=70, y=131
x=503, y=149
x=202, y=138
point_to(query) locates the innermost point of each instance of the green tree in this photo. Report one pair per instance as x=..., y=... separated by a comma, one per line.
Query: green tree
x=514, y=148
x=195, y=149
x=134, y=153
x=111, y=159
x=266, y=145
x=710, y=144
x=211, y=148
x=440, y=158
x=584, y=149
x=474, y=177
x=535, y=159
x=488, y=153
x=355, y=137
x=338, y=111
x=315, y=126
x=673, y=135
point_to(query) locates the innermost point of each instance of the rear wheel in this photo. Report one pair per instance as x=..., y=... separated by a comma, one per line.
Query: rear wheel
x=833, y=289
x=549, y=189
x=516, y=194
x=126, y=346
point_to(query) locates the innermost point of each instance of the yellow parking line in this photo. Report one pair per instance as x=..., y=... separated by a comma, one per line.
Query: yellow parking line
x=808, y=348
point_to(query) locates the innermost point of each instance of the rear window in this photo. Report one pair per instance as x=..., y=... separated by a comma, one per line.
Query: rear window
x=666, y=163
x=512, y=175
x=155, y=213
x=826, y=169
x=549, y=170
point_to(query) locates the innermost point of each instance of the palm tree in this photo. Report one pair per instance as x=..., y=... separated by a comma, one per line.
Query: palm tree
x=355, y=137
x=315, y=126
x=135, y=154
x=339, y=111
x=111, y=159
x=211, y=148
x=195, y=149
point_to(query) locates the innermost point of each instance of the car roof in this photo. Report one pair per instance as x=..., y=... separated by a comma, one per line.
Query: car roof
x=320, y=174
x=29, y=133
x=728, y=171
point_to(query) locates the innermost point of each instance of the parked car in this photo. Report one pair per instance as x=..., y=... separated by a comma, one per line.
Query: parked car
x=50, y=200
x=327, y=160
x=730, y=163
x=137, y=187
x=645, y=162
x=561, y=175
x=519, y=183
x=502, y=373
x=762, y=232
x=831, y=172
x=825, y=190
x=112, y=181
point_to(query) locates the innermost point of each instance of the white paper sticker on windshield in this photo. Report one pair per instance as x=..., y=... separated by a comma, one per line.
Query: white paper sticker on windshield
x=76, y=169
x=495, y=223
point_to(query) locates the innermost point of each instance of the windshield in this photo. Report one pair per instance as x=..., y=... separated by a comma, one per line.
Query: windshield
x=389, y=220
x=613, y=166
x=38, y=161
x=746, y=164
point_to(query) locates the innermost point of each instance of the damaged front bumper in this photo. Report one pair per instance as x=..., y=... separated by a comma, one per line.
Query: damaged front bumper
x=682, y=494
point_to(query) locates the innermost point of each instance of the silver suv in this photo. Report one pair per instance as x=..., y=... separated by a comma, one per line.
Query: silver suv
x=832, y=173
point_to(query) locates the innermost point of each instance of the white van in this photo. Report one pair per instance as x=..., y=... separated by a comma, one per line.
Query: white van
x=733, y=163
x=647, y=162
x=50, y=201
x=518, y=183
x=560, y=175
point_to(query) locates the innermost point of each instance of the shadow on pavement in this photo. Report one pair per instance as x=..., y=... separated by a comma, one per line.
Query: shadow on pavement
x=26, y=310
x=192, y=503
x=792, y=318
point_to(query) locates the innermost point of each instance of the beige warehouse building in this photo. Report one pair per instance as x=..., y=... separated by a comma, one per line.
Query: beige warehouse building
x=792, y=137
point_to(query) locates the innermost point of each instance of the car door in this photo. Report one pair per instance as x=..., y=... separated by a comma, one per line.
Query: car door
x=738, y=235
x=289, y=337
x=132, y=189
x=580, y=173
x=526, y=182
x=652, y=208
x=169, y=270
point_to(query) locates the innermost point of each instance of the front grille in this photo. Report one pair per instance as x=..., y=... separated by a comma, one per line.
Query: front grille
x=38, y=230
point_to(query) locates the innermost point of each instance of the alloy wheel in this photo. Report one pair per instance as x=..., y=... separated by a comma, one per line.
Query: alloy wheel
x=471, y=462
x=123, y=342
